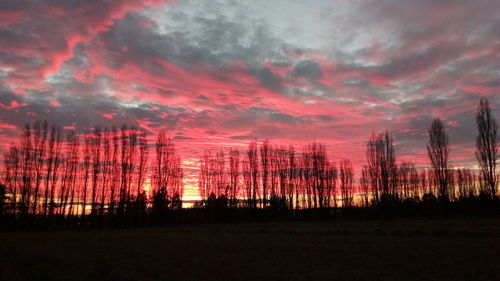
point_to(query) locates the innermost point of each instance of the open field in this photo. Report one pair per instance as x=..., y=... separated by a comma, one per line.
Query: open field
x=454, y=249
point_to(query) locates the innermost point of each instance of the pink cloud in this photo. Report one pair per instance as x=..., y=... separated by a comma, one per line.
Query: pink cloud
x=78, y=23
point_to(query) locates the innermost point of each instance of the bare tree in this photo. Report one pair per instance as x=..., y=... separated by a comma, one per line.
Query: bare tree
x=220, y=174
x=247, y=183
x=451, y=184
x=167, y=175
x=234, y=173
x=305, y=190
x=292, y=178
x=283, y=169
x=115, y=169
x=128, y=166
x=213, y=180
x=3, y=199
x=423, y=182
x=346, y=183
x=106, y=171
x=364, y=183
x=487, y=145
x=94, y=141
x=56, y=141
x=254, y=173
x=12, y=163
x=142, y=168
x=132, y=164
x=49, y=165
x=438, y=150
x=37, y=159
x=407, y=181
x=124, y=167
x=414, y=182
x=274, y=167
x=315, y=157
x=86, y=174
x=204, y=184
x=332, y=185
x=382, y=166
x=465, y=182
x=70, y=175
x=265, y=162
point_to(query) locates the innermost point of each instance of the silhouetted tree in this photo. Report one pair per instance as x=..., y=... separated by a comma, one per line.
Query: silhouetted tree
x=382, y=166
x=3, y=200
x=317, y=172
x=253, y=168
x=423, y=182
x=265, y=151
x=364, y=183
x=204, y=184
x=305, y=188
x=37, y=159
x=220, y=180
x=274, y=167
x=408, y=181
x=431, y=182
x=49, y=166
x=292, y=178
x=212, y=175
x=451, y=184
x=114, y=169
x=332, y=176
x=282, y=169
x=12, y=172
x=128, y=167
x=106, y=171
x=26, y=172
x=414, y=178
x=167, y=174
x=69, y=186
x=247, y=183
x=346, y=183
x=140, y=194
x=47, y=175
x=55, y=156
x=234, y=174
x=86, y=175
x=465, y=182
x=438, y=150
x=487, y=145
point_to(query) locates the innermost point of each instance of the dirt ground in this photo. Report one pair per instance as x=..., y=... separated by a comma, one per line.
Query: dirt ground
x=454, y=249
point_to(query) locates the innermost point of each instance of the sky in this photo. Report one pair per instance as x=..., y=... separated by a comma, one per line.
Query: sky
x=220, y=73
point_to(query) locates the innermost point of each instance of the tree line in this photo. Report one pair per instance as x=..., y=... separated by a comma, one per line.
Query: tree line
x=106, y=177
x=277, y=176
x=54, y=175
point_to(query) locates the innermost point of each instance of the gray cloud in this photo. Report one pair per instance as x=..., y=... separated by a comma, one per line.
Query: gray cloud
x=307, y=69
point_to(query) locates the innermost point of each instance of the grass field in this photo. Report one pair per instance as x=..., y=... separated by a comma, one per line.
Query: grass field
x=455, y=249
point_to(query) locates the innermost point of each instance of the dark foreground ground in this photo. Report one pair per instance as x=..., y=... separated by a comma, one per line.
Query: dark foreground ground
x=454, y=249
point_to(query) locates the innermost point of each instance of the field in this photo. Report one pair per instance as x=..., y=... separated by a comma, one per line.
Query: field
x=454, y=249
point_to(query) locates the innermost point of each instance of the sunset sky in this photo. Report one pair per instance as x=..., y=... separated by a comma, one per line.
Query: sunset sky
x=220, y=73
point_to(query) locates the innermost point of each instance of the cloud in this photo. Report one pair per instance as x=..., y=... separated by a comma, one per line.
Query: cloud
x=223, y=72
x=307, y=69
x=41, y=35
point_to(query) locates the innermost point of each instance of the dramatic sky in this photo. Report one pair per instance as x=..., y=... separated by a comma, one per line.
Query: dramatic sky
x=219, y=73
